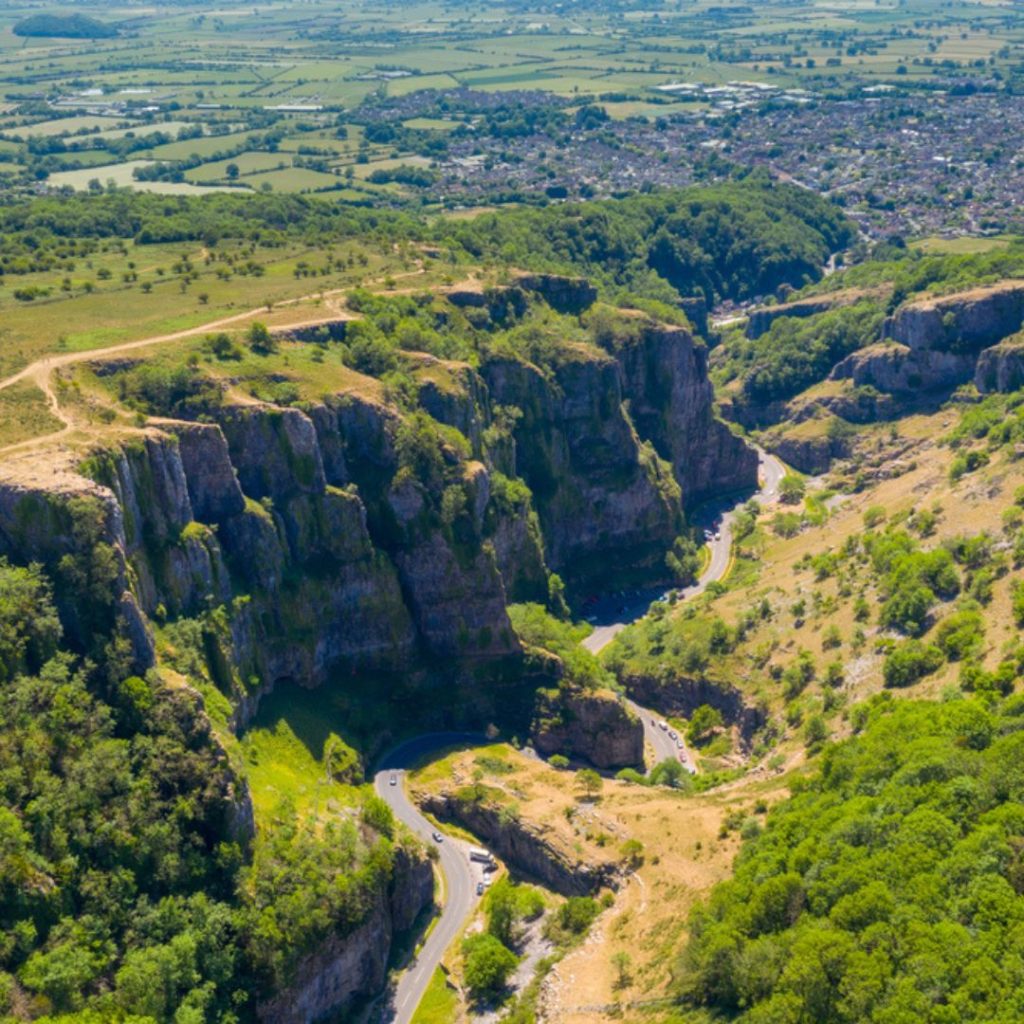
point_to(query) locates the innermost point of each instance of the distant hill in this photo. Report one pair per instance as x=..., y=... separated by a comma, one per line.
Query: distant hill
x=65, y=26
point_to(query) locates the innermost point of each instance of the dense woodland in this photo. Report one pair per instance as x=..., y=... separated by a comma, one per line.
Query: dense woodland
x=727, y=241
x=128, y=888
x=887, y=889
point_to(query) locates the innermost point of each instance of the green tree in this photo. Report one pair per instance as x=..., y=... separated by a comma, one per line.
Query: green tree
x=703, y=723
x=792, y=488
x=488, y=964
x=589, y=782
x=260, y=340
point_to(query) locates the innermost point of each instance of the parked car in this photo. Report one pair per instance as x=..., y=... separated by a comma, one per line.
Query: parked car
x=480, y=888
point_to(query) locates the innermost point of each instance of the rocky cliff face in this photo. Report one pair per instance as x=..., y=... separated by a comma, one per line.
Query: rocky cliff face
x=588, y=723
x=964, y=322
x=897, y=369
x=360, y=534
x=665, y=376
x=682, y=696
x=595, y=490
x=527, y=848
x=1001, y=367
x=346, y=970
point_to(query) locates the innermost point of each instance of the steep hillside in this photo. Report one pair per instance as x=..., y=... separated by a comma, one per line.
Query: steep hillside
x=260, y=515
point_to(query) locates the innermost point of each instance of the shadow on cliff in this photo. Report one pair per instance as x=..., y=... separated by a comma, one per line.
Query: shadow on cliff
x=313, y=715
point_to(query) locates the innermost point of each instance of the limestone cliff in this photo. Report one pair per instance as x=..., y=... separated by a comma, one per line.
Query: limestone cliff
x=962, y=322
x=366, y=532
x=665, y=373
x=529, y=849
x=593, y=724
x=348, y=969
x=1001, y=367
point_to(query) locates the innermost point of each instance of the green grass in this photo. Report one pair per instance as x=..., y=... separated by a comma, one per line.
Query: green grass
x=440, y=1003
x=283, y=751
x=24, y=414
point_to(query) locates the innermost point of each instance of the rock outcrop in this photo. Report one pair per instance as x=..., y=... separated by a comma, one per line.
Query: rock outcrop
x=527, y=848
x=595, y=492
x=681, y=695
x=665, y=375
x=593, y=724
x=345, y=970
x=564, y=294
x=1001, y=367
x=963, y=322
x=898, y=369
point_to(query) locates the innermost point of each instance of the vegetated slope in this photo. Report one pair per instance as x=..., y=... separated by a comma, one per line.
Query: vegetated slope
x=887, y=888
x=64, y=26
x=130, y=882
x=353, y=514
x=724, y=241
x=871, y=344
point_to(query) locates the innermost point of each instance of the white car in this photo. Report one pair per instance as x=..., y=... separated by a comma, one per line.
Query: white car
x=393, y=781
x=438, y=837
x=663, y=725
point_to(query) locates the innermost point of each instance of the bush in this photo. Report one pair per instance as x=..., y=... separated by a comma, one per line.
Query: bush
x=960, y=634
x=910, y=661
x=792, y=488
x=488, y=964
x=703, y=723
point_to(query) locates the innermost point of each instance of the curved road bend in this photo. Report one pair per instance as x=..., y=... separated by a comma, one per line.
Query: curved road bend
x=770, y=472
x=461, y=875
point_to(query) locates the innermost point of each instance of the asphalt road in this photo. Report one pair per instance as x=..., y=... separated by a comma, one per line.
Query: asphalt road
x=613, y=615
x=460, y=874
x=659, y=741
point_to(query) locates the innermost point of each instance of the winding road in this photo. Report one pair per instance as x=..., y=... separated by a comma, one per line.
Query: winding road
x=461, y=875
x=612, y=615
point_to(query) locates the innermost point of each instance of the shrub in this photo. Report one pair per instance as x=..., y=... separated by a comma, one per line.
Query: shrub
x=703, y=722
x=488, y=964
x=960, y=634
x=910, y=661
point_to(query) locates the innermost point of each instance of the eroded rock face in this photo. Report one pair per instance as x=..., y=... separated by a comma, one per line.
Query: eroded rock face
x=595, y=725
x=564, y=294
x=348, y=969
x=896, y=368
x=665, y=376
x=210, y=477
x=581, y=458
x=1001, y=367
x=682, y=696
x=527, y=848
x=964, y=322
x=50, y=513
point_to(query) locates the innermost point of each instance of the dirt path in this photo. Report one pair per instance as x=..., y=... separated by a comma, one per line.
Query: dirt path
x=40, y=372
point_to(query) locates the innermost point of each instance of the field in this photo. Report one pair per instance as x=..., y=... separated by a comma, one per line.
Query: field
x=247, y=84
